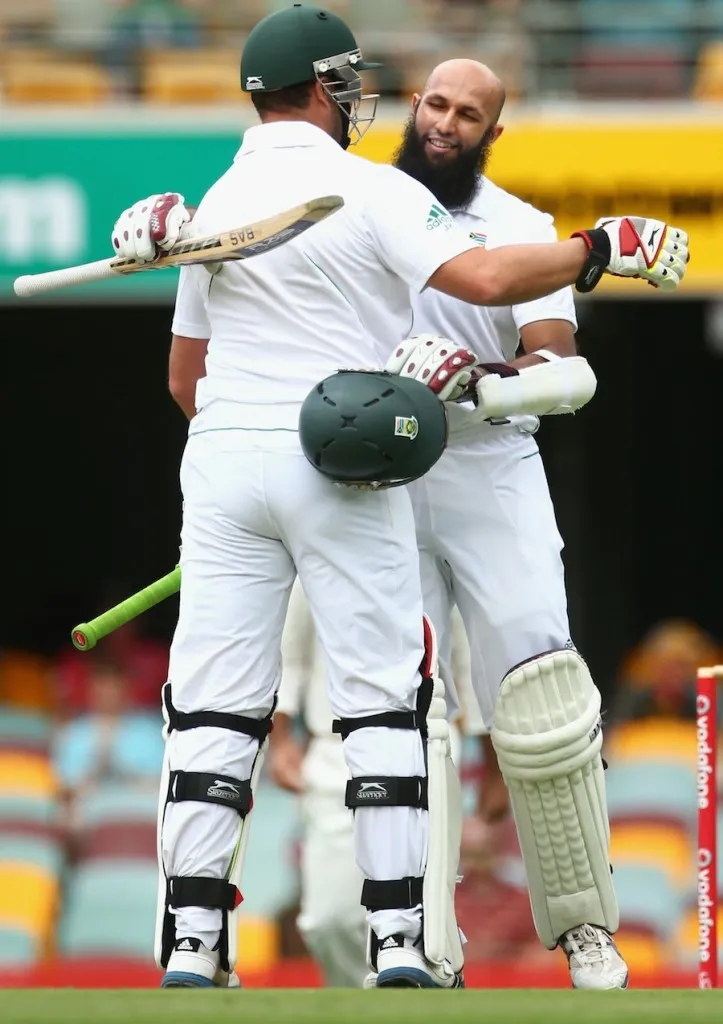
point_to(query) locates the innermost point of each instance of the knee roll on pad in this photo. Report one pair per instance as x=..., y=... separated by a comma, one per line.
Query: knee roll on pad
x=439, y=793
x=204, y=787
x=547, y=734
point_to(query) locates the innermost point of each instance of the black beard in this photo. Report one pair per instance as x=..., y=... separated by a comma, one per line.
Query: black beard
x=453, y=182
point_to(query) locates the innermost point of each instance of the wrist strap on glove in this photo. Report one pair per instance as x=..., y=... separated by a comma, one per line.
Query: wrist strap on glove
x=597, y=241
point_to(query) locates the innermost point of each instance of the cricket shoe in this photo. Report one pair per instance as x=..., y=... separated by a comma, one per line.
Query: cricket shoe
x=193, y=965
x=593, y=958
x=401, y=964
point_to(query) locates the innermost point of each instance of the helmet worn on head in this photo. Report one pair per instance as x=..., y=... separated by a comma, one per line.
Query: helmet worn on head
x=371, y=428
x=303, y=43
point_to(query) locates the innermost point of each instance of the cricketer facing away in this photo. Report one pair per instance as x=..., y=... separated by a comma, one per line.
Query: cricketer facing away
x=256, y=513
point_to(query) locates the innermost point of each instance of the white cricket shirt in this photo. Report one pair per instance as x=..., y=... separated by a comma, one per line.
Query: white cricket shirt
x=336, y=297
x=494, y=218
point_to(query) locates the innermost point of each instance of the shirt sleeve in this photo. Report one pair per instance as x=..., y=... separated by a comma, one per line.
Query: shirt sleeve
x=413, y=234
x=558, y=306
x=190, y=319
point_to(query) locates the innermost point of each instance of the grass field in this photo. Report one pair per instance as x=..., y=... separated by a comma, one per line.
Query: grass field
x=476, y=1006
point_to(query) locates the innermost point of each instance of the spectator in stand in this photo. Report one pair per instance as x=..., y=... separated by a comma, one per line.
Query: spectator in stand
x=112, y=740
x=143, y=662
x=658, y=677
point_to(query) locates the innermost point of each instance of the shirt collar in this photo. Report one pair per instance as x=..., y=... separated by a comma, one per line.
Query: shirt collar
x=477, y=207
x=284, y=135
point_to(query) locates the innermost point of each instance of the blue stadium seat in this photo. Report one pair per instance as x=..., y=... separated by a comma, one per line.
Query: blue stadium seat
x=17, y=948
x=110, y=909
x=118, y=802
x=41, y=851
x=655, y=789
x=27, y=729
x=31, y=809
x=647, y=899
x=274, y=825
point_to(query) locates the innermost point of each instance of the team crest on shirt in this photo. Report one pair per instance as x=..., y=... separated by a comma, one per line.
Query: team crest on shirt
x=406, y=426
x=477, y=237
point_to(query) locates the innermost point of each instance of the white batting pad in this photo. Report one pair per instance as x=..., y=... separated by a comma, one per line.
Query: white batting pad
x=547, y=734
x=442, y=939
x=549, y=389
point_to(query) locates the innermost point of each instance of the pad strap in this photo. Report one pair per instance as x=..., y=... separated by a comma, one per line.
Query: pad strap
x=211, y=789
x=258, y=728
x=189, y=891
x=394, y=894
x=386, y=720
x=386, y=791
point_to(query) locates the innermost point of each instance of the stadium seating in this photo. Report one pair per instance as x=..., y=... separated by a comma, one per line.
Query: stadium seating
x=23, y=730
x=110, y=909
x=26, y=775
x=708, y=81
x=193, y=76
x=648, y=902
x=46, y=78
x=662, y=846
x=662, y=791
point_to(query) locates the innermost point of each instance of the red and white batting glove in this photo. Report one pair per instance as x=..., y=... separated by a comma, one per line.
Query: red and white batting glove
x=436, y=362
x=634, y=247
x=149, y=225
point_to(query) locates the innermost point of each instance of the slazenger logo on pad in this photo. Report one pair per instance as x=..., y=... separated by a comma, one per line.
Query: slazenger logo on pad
x=224, y=790
x=254, y=82
x=406, y=426
x=371, y=791
x=438, y=218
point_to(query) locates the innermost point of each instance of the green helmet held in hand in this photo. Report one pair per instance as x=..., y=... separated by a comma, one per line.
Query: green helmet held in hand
x=372, y=429
x=304, y=44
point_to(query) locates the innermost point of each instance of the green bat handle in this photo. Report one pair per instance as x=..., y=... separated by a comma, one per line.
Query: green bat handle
x=87, y=634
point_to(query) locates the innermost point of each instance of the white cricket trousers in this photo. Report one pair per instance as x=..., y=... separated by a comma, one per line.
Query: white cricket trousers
x=255, y=513
x=489, y=542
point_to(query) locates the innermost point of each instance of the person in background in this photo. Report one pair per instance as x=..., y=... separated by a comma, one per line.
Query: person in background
x=110, y=742
x=658, y=677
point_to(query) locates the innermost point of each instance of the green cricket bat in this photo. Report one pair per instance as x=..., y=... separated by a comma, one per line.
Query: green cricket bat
x=87, y=634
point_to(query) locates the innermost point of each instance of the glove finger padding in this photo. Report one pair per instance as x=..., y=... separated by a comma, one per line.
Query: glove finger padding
x=436, y=362
x=647, y=248
x=150, y=224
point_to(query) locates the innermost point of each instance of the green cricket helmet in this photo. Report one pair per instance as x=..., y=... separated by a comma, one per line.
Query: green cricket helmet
x=303, y=43
x=371, y=428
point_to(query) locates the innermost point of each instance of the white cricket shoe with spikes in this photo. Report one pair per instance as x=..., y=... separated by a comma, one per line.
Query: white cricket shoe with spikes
x=193, y=965
x=593, y=959
x=401, y=964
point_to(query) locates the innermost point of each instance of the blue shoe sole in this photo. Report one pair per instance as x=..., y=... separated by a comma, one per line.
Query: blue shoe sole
x=410, y=977
x=181, y=979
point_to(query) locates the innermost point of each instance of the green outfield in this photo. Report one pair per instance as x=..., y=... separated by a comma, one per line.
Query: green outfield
x=474, y=1006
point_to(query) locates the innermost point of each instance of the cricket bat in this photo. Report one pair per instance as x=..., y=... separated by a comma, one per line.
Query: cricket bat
x=237, y=244
x=86, y=635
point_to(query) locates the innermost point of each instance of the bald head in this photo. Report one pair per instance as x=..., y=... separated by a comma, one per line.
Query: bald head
x=448, y=138
x=471, y=82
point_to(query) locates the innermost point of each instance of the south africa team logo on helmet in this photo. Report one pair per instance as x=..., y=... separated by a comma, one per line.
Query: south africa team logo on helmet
x=371, y=428
x=406, y=426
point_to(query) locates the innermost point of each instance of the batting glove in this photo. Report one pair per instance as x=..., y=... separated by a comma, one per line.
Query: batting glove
x=149, y=225
x=634, y=247
x=436, y=362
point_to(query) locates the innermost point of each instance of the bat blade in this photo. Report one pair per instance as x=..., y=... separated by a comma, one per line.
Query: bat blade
x=239, y=244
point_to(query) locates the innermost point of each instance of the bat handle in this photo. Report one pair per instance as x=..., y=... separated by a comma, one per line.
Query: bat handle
x=86, y=635
x=36, y=284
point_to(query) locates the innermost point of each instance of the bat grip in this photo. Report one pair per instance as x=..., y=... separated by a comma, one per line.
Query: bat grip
x=87, y=634
x=36, y=284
